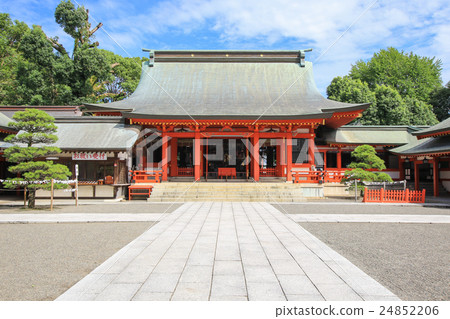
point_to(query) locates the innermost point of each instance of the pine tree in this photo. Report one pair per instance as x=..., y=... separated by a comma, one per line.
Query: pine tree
x=36, y=131
x=366, y=158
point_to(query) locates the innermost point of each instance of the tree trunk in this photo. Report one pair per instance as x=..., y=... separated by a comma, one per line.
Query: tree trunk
x=31, y=198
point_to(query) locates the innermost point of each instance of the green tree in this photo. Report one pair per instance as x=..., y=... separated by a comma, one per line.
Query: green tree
x=409, y=74
x=366, y=159
x=36, y=130
x=346, y=89
x=440, y=100
x=397, y=85
x=124, y=78
x=391, y=109
x=11, y=34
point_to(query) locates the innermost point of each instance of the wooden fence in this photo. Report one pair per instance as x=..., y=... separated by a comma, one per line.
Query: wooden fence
x=393, y=196
x=327, y=176
x=153, y=176
x=185, y=171
x=270, y=171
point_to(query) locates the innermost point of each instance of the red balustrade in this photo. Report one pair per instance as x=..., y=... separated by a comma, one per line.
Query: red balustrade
x=393, y=196
x=185, y=171
x=269, y=172
x=140, y=177
x=328, y=176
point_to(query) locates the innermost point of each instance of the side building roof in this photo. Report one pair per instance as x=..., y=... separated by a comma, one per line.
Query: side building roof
x=95, y=134
x=372, y=135
x=442, y=128
x=227, y=84
x=427, y=146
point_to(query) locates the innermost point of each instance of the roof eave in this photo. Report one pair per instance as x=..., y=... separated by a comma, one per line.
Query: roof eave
x=227, y=117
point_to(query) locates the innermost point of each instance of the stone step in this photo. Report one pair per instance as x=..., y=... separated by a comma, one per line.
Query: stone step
x=226, y=191
x=240, y=199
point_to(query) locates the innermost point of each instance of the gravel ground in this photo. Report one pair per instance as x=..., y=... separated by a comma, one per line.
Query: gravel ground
x=41, y=261
x=100, y=208
x=327, y=208
x=412, y=260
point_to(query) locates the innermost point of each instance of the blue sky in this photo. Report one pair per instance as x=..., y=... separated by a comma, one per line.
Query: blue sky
x=410, y=25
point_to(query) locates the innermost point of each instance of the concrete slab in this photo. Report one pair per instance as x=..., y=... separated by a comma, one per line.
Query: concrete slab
x=227, y=251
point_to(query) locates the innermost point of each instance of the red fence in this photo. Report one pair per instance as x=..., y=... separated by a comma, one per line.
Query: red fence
x=328, y=176
x=270, y=171
x=393, y=196
x=185, y=171
x=146, y=176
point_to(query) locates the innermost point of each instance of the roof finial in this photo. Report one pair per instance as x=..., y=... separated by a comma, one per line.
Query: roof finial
x=302, y=56
x=151, y=55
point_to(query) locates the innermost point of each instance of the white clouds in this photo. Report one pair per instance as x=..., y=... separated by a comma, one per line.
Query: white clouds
x=408, y=25
x=417, y=25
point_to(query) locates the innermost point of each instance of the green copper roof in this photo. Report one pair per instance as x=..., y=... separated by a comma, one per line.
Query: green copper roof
x=438, y=128
x=429, y=145
x=372, y=135
x=93, y=134
x=212, y=86
x=4, y=120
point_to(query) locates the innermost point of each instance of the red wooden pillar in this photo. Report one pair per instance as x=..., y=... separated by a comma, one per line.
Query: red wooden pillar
x=311, y=151
x=165, y=157
x=283, y=156
x=401, y=168
x=416, y=175
x=279, y=167
x=435, y=177
x=255, y=156
x=288, y=157
x=339, y=158
x=143, y=164
x=197, y=159
x=173, y=156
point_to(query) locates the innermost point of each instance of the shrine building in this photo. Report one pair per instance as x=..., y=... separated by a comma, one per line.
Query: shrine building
x=244, y=115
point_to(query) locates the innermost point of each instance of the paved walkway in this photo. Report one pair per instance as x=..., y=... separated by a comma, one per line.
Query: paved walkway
x=371, y=218
x=77, y=218
x=227, y=251
x=154, y=217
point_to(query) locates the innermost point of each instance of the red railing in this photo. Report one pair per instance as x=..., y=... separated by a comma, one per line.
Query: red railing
x=307, y=176
x=139, y=177
x=328, y=176
x=393, y=196
x=270, y=171
x=185, y=171
x=333, y=176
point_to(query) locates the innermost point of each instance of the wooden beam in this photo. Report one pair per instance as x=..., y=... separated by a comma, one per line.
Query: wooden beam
x=436, y=177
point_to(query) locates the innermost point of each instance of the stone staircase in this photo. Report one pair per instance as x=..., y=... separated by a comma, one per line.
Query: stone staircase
x=428, y=186
x=226, y=191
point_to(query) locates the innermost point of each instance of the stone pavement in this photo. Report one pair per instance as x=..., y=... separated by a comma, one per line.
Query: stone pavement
x=227, y=251
x=77, y=218
x=371, y=218
x=154, y=217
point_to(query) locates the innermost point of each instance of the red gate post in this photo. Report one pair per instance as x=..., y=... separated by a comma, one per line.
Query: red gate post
x=255, y=155
x=288, y=156
x=197, y=159
x=165, y=159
